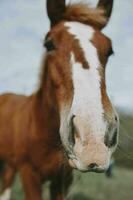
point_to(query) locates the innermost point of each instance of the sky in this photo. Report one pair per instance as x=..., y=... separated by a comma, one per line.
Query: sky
x=23, y=25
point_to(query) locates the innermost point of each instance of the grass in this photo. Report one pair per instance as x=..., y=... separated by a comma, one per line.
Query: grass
x=92, y=187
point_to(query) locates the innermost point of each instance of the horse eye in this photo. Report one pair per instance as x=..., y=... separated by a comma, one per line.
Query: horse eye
x=49, y=45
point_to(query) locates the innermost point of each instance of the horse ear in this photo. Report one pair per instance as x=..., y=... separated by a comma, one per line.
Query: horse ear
x=55, y=9
x=107, y=6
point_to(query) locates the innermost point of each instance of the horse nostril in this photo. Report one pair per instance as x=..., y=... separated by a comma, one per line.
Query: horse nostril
x=93, y=165
x=72, y=130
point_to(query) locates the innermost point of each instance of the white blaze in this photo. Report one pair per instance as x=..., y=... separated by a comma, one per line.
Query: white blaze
x=87, y=103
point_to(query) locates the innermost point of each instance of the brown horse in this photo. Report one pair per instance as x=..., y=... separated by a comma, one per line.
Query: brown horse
x=69, y=122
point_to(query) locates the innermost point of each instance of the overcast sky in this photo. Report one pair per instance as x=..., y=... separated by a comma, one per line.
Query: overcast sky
x=23, y=24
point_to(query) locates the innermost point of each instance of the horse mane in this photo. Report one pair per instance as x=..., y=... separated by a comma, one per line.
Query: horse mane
x=83, y=13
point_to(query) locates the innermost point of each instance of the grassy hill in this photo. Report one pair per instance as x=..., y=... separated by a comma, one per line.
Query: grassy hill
x=124, y=153
x=92, y=186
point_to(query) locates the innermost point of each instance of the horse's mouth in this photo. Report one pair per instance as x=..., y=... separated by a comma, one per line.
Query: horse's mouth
x=98, y=171
x=86, y=169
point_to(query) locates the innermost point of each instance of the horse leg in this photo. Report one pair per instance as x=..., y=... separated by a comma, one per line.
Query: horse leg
x=7, y=179
x=60, y=184
x=31, y=182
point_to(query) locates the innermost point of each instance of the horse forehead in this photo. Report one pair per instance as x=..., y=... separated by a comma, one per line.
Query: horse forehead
x=85, y=35
x=80, y=30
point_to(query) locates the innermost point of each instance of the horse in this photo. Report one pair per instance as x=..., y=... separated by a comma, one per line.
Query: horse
x=69, y=122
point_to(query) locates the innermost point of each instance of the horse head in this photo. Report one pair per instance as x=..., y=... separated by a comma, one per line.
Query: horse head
x=76, y=57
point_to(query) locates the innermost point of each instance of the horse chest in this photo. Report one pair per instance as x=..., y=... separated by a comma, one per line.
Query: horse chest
x=46, y=160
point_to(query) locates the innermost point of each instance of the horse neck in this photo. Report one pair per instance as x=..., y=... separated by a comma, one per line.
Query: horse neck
x=46, y=115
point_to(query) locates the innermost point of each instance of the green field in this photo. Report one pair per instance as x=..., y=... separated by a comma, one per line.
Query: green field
x=93, y=187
